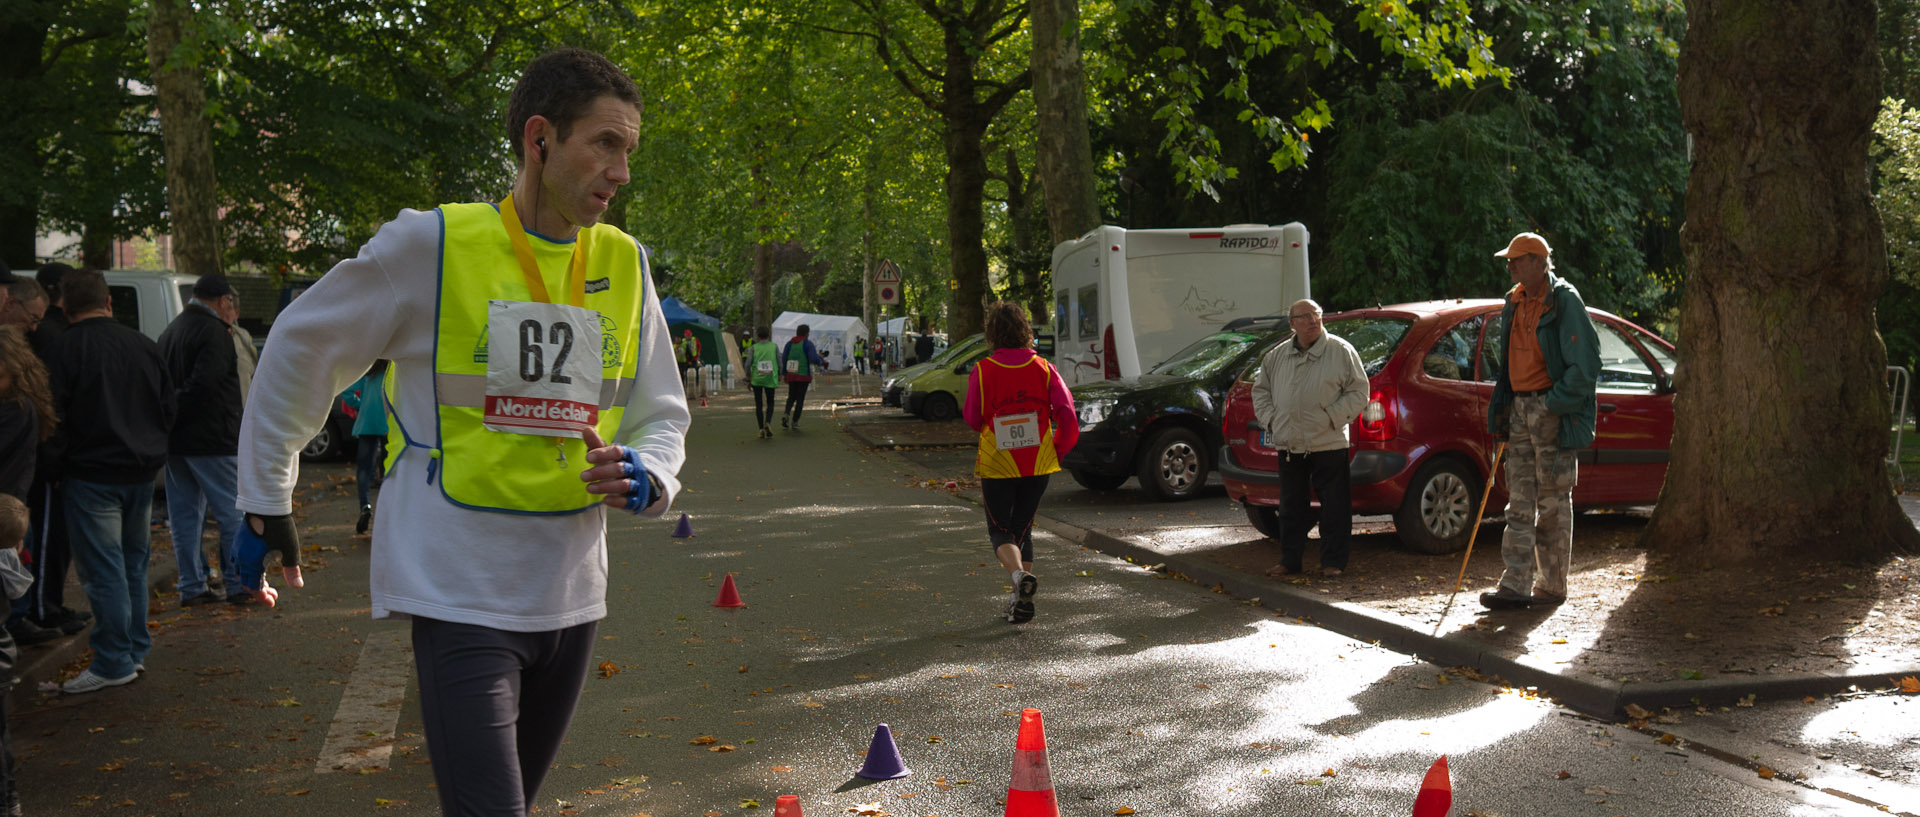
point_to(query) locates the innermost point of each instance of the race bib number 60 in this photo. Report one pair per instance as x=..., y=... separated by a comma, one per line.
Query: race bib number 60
x=1015, y=431
x=543, y=368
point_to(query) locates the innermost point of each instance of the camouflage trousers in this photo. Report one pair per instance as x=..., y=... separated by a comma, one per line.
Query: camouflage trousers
x=1538, y=542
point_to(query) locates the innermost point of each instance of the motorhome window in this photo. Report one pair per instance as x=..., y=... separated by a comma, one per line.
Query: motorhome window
x=1060, y=303
x=1089, y=313
x=1206, y=355
x=1374, y=338
x=126, y=305
x=186, y=293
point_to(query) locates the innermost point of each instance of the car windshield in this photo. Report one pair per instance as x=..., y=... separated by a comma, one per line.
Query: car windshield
x=958, y=349
x=1373, y=338
x=1206, y=355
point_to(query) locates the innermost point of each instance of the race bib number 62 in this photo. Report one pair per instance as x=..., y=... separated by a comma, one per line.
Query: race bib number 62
x=543, y=368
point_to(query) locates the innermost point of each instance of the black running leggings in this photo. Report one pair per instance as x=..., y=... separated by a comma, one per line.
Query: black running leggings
x=796, y=396
x=496, y=706
x=763, y=406
x=1011, y=503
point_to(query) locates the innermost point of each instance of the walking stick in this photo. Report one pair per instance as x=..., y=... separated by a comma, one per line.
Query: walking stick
x=1475, y=533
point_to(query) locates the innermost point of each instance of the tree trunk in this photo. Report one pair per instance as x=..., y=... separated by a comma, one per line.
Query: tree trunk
x=23, y=42
x=762, y=252
x=966, y=225
x=869, y=297
x=1782, y=417
x=191, y=194
x=96, y=242
x=1065, y=152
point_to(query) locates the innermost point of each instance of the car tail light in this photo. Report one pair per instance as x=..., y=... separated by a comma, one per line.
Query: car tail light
x=1109, y=361
x=1379, y=421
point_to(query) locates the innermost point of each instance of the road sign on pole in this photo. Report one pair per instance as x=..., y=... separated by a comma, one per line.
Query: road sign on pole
x=887, y=279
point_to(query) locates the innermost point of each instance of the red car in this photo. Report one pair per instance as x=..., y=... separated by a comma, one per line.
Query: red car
x=1420, y=448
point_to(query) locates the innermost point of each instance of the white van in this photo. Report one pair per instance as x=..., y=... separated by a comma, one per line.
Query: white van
x=148, y=300
x=1124, y=300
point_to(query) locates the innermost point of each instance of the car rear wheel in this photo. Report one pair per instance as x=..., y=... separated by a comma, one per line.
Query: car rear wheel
x=1265, y=520
x=1096, y=481
x=1175, y=465
x=939, y=408
x=324, y=445
x=1440, y=508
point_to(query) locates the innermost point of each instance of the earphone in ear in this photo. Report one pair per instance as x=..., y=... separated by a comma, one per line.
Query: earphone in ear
x=542, y=145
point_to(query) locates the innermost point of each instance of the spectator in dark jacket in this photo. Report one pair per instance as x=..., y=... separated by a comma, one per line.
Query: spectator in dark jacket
x=112, y=395
x=202, y=451
x=44, y=606
x=26, y=420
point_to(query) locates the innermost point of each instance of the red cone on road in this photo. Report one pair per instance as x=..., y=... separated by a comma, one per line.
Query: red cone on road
x=787, y=805
x=1436, y=792
x=1031, y=792
x=729, y=596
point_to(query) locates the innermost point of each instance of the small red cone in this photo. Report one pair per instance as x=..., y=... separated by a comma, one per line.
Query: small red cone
x=729, y=596
x=787, y=805
x=953, y=486
x=1436, y=792
x=703, y=402
x=1031, y=792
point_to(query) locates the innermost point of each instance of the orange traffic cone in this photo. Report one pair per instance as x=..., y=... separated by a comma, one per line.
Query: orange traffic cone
x=1436, y=792
x=1031, y=792
x=729, y=596
x=787, y=805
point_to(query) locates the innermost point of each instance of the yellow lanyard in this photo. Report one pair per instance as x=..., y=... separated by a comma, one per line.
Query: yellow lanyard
x=522, y=249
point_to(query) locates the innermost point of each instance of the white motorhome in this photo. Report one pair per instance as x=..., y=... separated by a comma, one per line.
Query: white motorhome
x=1124, y=300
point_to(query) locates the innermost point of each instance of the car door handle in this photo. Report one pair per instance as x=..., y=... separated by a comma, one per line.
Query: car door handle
x=1609, y=407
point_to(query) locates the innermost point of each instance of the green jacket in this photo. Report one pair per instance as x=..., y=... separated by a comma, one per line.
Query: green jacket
x=763, y=355
x=1572, y=348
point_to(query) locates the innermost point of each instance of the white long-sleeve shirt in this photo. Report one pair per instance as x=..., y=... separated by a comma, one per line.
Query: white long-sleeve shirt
x=432, y=558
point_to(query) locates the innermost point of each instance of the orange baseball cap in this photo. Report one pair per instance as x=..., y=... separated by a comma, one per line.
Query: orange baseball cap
x=1525, y=244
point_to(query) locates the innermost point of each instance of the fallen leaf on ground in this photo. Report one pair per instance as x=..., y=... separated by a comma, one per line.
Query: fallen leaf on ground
x=704, y=740
x=1635, y=712
x=1910, y=685
x=1123, y=810
x=608, y=669
x=1766, y=773
x=872, y=809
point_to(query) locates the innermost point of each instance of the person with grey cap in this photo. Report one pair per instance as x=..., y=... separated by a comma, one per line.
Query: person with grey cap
x=1544, y=406
x=202, y=451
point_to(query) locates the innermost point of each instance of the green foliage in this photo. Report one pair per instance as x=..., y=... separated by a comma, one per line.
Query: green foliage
x=1223, y=52
x=1584, y=146
x=1896, y=153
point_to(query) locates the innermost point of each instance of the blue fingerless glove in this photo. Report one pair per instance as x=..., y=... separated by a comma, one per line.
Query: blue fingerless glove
x=252, y=557
x=639, y=487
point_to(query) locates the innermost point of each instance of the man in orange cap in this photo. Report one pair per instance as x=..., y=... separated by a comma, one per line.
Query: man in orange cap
x=1544, y=406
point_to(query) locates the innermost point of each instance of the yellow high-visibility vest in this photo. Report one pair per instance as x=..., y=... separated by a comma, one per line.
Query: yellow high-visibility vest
x=499, y=471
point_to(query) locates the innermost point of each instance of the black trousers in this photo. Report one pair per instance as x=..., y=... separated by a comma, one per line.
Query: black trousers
x=1326, y=472
x=1011, y=503
x=496, y=706
x=797, y=397
x=47, y=542
x=763, y=406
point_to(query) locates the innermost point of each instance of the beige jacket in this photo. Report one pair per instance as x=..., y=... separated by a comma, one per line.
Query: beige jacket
x=1305, y=399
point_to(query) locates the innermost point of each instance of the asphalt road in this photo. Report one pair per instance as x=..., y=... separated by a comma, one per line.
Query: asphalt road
x=870, y=599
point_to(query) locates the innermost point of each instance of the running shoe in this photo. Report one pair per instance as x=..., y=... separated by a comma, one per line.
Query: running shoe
x=1023, y=598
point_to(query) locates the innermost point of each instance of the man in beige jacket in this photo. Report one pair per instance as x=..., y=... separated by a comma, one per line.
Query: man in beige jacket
x=1309, y=390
